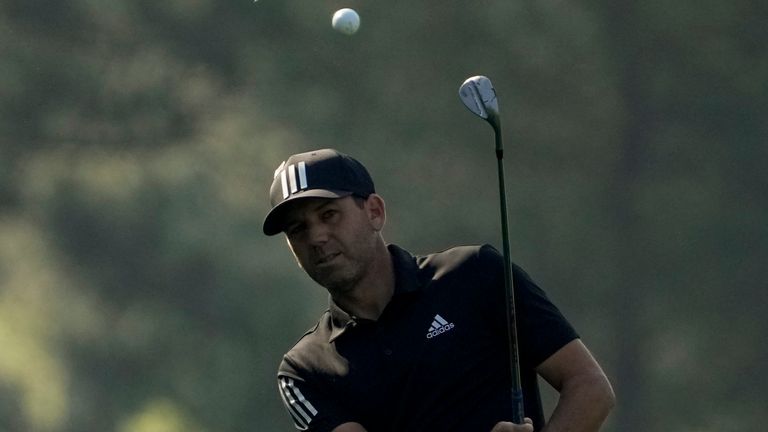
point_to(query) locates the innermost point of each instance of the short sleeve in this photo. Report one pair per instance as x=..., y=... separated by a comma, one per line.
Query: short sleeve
x=308, y=404
x=541, y=328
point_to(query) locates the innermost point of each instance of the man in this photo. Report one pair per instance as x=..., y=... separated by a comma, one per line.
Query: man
x=414, y=343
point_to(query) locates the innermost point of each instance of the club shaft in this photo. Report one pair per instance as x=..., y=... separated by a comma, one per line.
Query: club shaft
x=517, y=392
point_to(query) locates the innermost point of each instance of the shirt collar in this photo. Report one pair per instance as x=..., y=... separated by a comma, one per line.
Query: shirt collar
x=406, y=281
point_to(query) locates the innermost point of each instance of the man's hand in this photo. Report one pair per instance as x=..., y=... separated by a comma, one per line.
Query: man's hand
x=527, y=426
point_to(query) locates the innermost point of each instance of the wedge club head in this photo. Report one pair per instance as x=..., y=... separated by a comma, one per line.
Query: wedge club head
x=479, y=96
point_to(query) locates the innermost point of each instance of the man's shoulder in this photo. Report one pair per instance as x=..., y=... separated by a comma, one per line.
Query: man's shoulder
x=312, y=342
x=457, y=257
x=314, y=356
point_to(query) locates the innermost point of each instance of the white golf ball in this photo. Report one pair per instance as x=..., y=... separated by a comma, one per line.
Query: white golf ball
x=346, y=21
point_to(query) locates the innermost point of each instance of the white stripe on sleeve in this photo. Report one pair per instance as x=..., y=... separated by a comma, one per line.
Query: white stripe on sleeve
x=299, y=407
x=297, y=418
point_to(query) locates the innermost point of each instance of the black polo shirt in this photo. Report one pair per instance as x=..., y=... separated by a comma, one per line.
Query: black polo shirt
x=437, y=357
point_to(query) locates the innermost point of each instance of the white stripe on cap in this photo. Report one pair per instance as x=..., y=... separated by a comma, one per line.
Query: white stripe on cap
x=284, y=183
x=280, y=168
x=292, y=177
x=303, y=175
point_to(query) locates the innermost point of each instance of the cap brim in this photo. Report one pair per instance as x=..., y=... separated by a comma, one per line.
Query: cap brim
x=275, y=220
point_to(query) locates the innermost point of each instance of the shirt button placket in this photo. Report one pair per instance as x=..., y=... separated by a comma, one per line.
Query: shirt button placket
x=384, y=343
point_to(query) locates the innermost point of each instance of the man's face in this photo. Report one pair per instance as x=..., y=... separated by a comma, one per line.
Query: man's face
x=334, y=240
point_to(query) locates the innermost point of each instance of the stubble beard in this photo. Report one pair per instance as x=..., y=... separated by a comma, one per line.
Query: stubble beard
x=345, y=276
x=338, y=280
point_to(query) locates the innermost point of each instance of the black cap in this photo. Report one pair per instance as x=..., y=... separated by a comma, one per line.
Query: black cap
x=324, y=173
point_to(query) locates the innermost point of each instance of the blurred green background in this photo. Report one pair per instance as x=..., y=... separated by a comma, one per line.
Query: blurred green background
x=138, y=140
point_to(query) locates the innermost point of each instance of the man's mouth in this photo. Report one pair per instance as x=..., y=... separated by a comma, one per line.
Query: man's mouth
x=325, y=259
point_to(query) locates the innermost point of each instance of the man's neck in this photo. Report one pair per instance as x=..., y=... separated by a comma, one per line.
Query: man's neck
x=372, y=294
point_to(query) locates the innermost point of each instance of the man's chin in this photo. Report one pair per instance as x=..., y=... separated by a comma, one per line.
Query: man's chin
x=333, y=280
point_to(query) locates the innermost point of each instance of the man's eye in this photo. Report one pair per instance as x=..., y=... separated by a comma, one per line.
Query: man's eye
x=329, y=214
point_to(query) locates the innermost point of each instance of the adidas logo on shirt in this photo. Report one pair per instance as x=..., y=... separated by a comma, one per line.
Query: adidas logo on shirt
x=438, y=327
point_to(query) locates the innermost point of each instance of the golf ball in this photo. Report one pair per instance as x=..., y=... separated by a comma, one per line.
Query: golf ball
x=346, y=21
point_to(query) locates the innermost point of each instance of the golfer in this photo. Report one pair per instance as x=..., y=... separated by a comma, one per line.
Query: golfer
x=415, y=343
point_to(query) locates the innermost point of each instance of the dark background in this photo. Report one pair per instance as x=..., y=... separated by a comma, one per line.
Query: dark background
x=138, y=140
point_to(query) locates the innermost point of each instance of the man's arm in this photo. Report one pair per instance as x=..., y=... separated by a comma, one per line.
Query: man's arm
x=586, y=396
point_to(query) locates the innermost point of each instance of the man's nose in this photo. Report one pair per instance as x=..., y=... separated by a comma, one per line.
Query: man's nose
x=318, y=234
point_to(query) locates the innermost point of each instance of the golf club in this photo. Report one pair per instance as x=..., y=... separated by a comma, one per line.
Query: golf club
x=477, y=94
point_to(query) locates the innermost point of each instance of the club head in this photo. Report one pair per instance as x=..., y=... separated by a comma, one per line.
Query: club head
x=477, y=94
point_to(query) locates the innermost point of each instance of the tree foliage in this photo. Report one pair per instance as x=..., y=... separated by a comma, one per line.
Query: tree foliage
x=138, y=140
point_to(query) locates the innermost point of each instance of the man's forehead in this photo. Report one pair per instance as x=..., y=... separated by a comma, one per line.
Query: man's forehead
x=294, y=210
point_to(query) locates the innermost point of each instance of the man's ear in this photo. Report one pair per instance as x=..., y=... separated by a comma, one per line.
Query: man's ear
x=377, y=212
